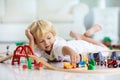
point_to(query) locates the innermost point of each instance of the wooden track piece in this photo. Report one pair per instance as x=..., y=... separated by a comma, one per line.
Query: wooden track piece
x=5, y=58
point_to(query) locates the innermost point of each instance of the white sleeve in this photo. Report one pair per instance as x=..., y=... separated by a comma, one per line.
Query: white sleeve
x=58, y=45
x=58, y=50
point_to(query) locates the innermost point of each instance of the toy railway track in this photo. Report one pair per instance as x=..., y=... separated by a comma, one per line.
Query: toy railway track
x=6, y=58
x=76, y=70
x=80, y=70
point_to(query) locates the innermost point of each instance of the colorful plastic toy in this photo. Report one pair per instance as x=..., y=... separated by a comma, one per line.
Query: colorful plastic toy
x=107, y=41
x=24, y=51
x=29, y=63
x=112, y=63
x=20, y=43
x=92, y=62
x=25, y=67
x=91, y=67
x=81, y=64
x=7, y=47
x=98, y=57
x=69, y=65
x=21, y=51
x=38, y=65
x=90, y=57
x=114, y=56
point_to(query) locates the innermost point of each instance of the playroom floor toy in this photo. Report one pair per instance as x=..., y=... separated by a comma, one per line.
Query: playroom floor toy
x=98, y=69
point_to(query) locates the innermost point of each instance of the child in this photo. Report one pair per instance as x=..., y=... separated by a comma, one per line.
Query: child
x=45, y=43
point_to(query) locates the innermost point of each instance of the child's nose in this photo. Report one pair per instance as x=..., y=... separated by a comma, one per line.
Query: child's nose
x=46, y=42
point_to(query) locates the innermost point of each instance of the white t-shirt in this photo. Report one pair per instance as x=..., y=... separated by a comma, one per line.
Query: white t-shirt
x=56, y=52
x=80, y=46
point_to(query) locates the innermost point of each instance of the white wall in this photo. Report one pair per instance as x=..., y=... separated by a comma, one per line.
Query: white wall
x=108, y=18
x=2, y=9
x=12, y=32
x=19, y=11
x=17, y=15
x=55, y=10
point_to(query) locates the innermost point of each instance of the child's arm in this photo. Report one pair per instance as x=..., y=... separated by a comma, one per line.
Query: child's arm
x=30, y=38
x=75, y=58
x=93, y=41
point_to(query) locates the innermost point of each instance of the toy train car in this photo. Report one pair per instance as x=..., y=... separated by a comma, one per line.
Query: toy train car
x=112, y=61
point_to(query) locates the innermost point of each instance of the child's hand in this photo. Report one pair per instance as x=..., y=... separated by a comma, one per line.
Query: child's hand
x=29, y=35
x=75, y=58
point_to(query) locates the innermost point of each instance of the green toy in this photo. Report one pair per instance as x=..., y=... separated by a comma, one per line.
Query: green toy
x=107, y=39
x=20, y=43
x=111, y=48
x=90, y=67
x=93, y=62
x=29, y=63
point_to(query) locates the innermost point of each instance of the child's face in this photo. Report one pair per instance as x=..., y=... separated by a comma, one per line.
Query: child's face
x=46, y=43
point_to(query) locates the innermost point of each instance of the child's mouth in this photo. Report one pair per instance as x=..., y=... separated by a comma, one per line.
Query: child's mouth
x=47, y=47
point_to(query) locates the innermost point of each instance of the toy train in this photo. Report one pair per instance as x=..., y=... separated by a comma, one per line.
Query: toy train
x=112, y=61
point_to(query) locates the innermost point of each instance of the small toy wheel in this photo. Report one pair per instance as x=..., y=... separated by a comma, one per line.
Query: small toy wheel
x=115, y=66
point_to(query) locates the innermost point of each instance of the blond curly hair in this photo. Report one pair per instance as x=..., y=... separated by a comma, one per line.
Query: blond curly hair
x=40, y=28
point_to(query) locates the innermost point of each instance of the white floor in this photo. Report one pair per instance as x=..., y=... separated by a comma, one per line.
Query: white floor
x=9, y=72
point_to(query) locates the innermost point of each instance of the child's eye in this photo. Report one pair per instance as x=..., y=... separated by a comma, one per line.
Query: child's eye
x=41, y=41
x=49, y=38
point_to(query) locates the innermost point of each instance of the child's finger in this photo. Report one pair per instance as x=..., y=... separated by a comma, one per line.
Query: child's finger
x=77, y=58
x=72, y=59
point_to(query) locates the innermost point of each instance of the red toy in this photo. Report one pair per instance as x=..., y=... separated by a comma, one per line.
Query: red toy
x=38, y=65
x=112, y=63
x=21, y=51
x=25, y=51
x=25, y=67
